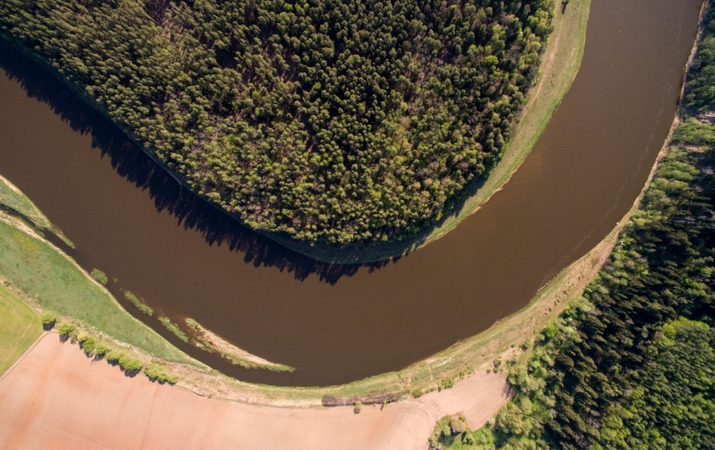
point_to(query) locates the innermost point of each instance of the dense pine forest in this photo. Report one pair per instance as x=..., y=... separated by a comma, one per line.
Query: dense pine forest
x=334, y=121
x=631, y=364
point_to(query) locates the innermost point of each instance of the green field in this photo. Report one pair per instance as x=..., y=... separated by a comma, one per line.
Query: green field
x=19, y=327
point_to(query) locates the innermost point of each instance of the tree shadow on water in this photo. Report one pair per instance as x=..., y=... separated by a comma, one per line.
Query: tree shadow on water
x=192, y=212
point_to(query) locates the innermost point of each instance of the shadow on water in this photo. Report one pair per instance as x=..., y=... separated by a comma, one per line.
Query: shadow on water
x=192, y=212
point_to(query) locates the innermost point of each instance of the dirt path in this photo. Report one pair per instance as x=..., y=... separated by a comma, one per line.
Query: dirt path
x=56, y=397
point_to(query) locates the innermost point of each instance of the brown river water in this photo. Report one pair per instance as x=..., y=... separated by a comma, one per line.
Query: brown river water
x=337, y=324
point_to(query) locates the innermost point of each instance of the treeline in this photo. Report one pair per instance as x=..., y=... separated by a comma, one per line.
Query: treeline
x=333, y=121
x=632, y=363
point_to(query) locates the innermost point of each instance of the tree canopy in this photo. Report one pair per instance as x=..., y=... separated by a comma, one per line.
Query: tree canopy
x=334, y=121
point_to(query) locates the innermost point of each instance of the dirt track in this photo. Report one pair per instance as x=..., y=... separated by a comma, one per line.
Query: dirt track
x=57, y=398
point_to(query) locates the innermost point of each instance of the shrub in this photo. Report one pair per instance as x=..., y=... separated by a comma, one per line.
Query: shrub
x=457, y=426
x=101, y=350
x=100, y=276
x=358, y=407
x=114, y=356
x=88, y=345
x=468, y=439
x=446, y=383
x=65, y=329
x=81, y=337
x=130, y=364
x=155, y=373
x=48, y=320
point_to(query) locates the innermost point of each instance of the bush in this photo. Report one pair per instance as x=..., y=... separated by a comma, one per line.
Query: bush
x=114, y=356
x=66, y=329
x=100, y=276
x=468, y=439
x=130, y=364
x=101, y=350
x=358, y=407
x=81, y=337
x=446, y=383
x=88, y=345
x=457, y=426
x=155, y=373
x=48, y=320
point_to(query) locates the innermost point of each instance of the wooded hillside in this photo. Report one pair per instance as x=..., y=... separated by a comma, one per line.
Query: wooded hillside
x=333, y=121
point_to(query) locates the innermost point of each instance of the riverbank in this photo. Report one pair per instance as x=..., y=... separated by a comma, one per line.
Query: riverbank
x=441, y=370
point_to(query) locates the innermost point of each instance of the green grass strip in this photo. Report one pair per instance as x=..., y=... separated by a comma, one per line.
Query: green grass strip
x=19, y=328
x=52, y=280
x=11, y=197
x=143, y=307
x=171, y=326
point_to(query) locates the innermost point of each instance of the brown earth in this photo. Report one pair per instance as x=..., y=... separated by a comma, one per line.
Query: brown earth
x=56, y=397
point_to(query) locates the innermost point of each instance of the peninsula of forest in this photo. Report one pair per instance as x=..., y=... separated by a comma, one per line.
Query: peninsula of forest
x=330, y=122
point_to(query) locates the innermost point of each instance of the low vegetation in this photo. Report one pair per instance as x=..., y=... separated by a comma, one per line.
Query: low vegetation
x=14, y=201
x=20, y=325
x=48, y=320
x=157, y=373
x=631, y=363
x=51, y=281
x=140, y=305
x=452, y=433
x=128, y=359
x=212, y=343
x=100, y=276
x=329, y=121
x=174, y=328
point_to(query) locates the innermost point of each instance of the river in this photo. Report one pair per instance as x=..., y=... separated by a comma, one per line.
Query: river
x=337, y=324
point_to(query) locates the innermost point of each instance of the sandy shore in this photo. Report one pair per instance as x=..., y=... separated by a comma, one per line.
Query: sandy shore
x=55, y=397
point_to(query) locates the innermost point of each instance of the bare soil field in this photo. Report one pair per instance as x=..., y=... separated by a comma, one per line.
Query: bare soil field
x=56, y=397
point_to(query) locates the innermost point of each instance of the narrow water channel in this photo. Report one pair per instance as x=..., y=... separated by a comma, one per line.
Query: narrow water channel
x=337, y=324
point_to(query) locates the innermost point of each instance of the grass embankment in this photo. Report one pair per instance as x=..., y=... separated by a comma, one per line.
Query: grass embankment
x=560, y=63
x=52, y=281
x=14, y=200
x=19, y=328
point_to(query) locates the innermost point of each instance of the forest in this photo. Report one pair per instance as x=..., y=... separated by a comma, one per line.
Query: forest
x=330, y=121
x=631, y=364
